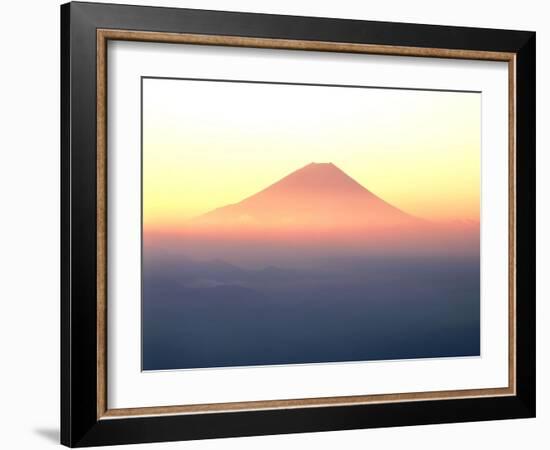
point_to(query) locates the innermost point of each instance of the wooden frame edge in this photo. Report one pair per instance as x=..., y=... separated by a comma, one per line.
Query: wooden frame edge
x=103, y=35
x=101, y=223
x=512, y=200
x=210, y=408
x=289, y=44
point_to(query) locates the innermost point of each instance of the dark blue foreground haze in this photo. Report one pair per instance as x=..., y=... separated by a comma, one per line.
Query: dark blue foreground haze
x=214, y=314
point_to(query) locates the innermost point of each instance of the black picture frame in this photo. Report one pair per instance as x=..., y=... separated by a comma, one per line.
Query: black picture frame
x=80, y=425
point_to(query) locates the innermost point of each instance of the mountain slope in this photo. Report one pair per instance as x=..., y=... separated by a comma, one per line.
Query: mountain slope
x=319, y=196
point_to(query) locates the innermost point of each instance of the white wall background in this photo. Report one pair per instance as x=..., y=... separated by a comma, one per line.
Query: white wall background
x=29, y=224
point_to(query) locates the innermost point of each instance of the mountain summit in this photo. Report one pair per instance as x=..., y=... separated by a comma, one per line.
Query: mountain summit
x=318, y=196
x=316, y=177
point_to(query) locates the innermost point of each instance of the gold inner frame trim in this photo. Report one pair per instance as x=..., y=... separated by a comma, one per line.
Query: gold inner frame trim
x=103, y=36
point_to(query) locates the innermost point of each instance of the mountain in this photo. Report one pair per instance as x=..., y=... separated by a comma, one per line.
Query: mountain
x=317, y=196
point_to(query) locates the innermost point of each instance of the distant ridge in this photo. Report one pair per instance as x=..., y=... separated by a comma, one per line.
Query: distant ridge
x=318, y=195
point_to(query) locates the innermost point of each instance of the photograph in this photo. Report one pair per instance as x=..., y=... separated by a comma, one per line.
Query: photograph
x=290, y=220
x=293, y=223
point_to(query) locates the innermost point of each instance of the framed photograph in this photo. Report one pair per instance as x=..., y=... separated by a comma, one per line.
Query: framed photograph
x=277, y=224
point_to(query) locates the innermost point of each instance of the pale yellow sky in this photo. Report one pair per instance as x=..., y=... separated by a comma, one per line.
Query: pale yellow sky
x=208, y=144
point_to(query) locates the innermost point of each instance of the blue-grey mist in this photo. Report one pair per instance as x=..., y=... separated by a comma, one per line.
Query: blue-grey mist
x=213, y=313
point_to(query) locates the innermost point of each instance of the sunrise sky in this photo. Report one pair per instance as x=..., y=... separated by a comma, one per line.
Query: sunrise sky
x=209, y=144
